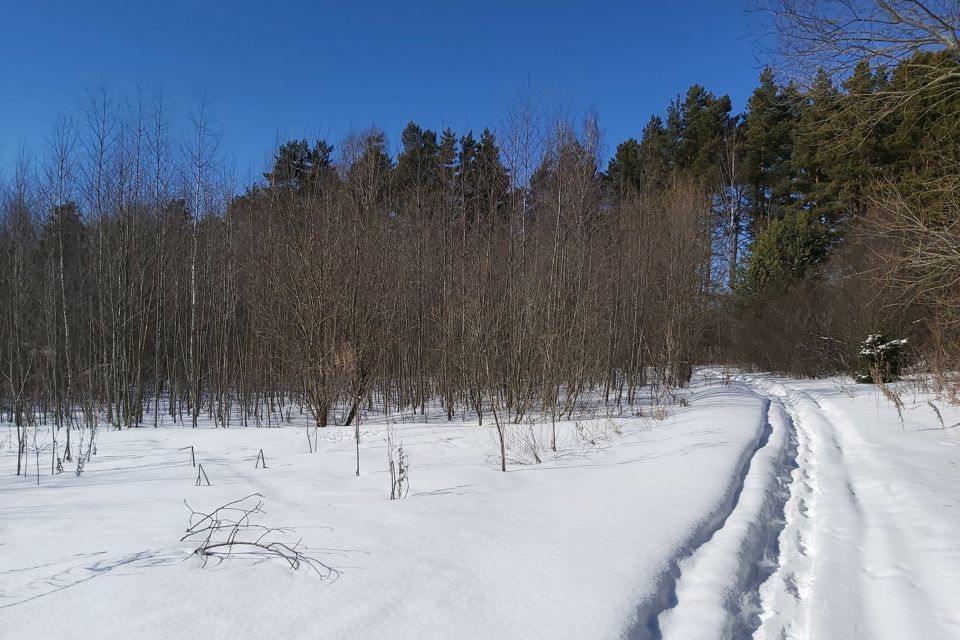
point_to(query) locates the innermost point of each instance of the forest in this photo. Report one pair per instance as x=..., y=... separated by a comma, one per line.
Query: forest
x=504, y=272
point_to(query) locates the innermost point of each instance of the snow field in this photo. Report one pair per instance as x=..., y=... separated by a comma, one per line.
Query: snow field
x=767, y=508
x=567, y=548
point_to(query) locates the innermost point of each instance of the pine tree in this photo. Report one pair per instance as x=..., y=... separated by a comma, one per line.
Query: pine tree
x=657, y=153
x=467, y=175
x=417, y=174
x=697, y=127
x=298, y=166
x=785, y=251
x=813, y=153
x=493, y=178
x=766, y=145
x=370, y=172
x=645, y=164
x=626, y=167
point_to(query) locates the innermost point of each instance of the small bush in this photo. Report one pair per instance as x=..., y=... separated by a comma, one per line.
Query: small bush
x=879, y=359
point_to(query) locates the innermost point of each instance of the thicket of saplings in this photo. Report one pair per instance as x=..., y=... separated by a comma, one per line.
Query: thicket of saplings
x=500, y=280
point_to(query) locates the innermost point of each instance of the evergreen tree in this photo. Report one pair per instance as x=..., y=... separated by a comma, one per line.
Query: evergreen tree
x=493, y=178
x=466, y=174
x=447, y=153
x=842, y=145
x=625, y=169
x=812, y=151
x=417, y=173
x=369, y=174
x=645, y=164
x=785, y=251
x=657, y=153
x=766, y=146
x=697, y=127
x=925, y=140
x=297, y=165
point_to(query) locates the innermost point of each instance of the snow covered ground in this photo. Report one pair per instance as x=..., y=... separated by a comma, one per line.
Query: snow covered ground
x=764, y=508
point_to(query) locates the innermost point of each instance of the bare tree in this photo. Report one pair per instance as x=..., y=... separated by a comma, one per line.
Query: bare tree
x=59, y=185
x=201, y=155
x=837, y=34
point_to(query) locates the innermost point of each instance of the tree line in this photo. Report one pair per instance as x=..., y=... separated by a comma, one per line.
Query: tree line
x=140, y=287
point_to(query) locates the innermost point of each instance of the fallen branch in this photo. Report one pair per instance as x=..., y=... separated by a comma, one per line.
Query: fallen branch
x=229, y=530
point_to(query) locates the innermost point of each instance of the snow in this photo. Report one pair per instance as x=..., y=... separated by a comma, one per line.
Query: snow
x=877, y=515
x=717, y=581
x=765, y=507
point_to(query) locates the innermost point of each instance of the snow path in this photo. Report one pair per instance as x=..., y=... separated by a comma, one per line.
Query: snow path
x=834, y=530
x=823, y=506
x=719, y=582
x=715, y=578
x=864, y=552
x=904, y=564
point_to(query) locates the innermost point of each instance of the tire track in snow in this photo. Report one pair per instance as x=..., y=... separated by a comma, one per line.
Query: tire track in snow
x=790, y=594
x=741, y=537
x=901, y=595
x=856, y=556
x=804, y=600
x=718, y=591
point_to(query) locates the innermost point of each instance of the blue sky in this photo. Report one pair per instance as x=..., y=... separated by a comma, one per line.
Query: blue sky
x=275, y=70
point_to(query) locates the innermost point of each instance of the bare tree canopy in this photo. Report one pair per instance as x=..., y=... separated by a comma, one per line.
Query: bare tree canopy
x=837, y=34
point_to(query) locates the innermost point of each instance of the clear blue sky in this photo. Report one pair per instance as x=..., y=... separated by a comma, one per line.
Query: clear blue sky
x=275, y=70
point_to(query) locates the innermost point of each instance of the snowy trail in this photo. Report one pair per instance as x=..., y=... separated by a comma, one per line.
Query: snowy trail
x=719, y=582
x=715, y=578
x=803, y=598
x=743, y=495
x=863, y=555
x=651, y=613
x=830, y=532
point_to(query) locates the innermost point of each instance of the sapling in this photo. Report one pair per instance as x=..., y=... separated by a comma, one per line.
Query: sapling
x=37, y=446
x=879, y=359
x=398, y=464
x=356, y=433
x=391, y=465
x=403, y=472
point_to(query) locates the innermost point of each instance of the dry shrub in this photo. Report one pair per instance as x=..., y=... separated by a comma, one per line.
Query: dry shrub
x=916, y=230
x=660, y=412
x=598, y=432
